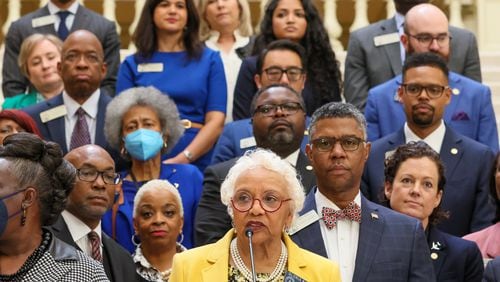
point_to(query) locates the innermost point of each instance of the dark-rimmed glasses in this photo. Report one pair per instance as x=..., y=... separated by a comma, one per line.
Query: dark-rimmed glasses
x=244, y=201
x=427, y=39
x=433, y=91
x=269, y=110
x=276, y=73
x=90, y=175
x=326, y=144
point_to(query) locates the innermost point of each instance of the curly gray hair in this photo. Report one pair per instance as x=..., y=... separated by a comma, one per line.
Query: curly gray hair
x=165, y=108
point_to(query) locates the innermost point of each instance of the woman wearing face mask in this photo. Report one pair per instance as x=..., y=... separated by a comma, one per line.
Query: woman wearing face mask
x=143, y=123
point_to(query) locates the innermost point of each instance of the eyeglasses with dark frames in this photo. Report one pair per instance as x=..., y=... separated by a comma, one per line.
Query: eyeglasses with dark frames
x=275, y=74
x=269, y=110
x=90, y=175
x=433, y=91
x=244, y=201
x=427, y=39
x=326, y=144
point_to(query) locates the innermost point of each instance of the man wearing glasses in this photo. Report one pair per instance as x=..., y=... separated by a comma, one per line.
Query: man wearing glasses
x=470, y=111
x=368, y=241
x=425, y=93
x=93, y=194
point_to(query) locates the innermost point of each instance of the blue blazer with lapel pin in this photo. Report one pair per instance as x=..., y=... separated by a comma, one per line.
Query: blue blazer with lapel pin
x=467, y=168
x=470, y=111
x=391, y=246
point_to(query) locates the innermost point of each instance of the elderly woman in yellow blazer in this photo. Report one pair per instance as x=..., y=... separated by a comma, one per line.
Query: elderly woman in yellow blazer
x=263, y=195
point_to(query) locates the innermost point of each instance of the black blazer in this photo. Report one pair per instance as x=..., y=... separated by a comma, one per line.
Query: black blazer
x=118, y=263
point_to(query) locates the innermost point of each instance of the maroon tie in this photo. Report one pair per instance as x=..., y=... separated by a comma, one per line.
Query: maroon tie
x=351, y=212
x=80, y=135
x=95, y=243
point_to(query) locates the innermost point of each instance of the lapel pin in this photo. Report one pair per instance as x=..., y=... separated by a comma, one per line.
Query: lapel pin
x=309, y=167
x=454, y=151
x=374, y=215
x=455, y=91
x=176, y=185
x=434, y=256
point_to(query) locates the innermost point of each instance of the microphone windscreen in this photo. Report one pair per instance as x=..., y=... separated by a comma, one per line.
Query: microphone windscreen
x=249, y=232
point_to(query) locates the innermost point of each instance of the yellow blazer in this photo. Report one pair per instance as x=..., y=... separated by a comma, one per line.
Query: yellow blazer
x=211, y=263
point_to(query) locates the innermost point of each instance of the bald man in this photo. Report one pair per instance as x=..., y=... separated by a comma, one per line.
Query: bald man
x=93, y=194
x=76, y=116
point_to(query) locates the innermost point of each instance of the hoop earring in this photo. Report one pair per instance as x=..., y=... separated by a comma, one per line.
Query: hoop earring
x=23, y=216
x=135, y=240
x=182, y=238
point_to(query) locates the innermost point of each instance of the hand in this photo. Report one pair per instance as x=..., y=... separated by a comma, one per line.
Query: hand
x=179, y=159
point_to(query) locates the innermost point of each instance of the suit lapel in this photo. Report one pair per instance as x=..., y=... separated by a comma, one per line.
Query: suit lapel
x=81, y=19
x=56, y=127
x=61, y=231
x=100, y=139
x=456, y=87
x=451, y=151
x=438, y=255
x=106, y=257
x=306, y=173
x=49, y=28
x=370, y=234
x=218, y=259
x=392, y=49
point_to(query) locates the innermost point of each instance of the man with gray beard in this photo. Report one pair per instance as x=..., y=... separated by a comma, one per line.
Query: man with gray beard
x=278, y=120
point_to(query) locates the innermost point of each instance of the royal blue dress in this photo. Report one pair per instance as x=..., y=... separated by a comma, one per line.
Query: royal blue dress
x=190, y=184
x=196, y=86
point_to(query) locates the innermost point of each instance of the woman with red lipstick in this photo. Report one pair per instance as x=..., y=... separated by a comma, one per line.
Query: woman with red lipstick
x=158, y=220
x=263, y=196
x=414, y=185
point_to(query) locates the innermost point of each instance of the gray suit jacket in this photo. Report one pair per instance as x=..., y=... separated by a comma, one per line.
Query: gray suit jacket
x=367, y=65
x=15, y=83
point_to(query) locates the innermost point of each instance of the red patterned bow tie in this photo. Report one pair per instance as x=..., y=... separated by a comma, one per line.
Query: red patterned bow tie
x=351, y=212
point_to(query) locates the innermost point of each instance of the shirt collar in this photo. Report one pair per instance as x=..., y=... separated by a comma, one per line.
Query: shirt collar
x=400, y=20
x=434, y=140
x=78, y=228
x=53, y=9
x=293, y=157
x=323, y=201
x=239, y=41
x=90, y=106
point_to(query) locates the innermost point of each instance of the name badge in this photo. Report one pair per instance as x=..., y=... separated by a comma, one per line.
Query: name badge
x=303, y=221
x=53, y=113
x=150, y=67
x=247, y=142
x=386, y=39
x=42, y=21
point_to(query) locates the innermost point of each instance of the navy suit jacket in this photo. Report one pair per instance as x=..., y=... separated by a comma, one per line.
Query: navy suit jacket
x=212, y=220
x=117, y=262
x=470, y=111
x=454, y=258
x=492, y=271
x=237, y=138
x=467, y=170
x=391, y=246
x=15, y=83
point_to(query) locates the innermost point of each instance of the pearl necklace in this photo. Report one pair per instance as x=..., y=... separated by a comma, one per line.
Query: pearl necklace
x=240, y=265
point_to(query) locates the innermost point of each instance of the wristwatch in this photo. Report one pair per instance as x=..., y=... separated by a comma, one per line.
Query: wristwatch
x=188, y=155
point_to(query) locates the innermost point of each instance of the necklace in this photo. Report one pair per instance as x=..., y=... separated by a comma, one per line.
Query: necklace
x=240, y=265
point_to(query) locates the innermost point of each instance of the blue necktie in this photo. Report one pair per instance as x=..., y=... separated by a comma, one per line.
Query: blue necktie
x=63, y=31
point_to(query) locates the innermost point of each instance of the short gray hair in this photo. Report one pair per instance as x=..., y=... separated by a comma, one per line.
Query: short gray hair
x=337, y=110
x=151, y=97
x=270, y=161
x=154, y=186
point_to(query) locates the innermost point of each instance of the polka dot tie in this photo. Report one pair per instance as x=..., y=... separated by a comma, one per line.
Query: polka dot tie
x=351, y=212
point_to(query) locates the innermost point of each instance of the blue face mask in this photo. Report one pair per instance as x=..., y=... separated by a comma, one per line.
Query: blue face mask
x=143, y=144
x=4, y=213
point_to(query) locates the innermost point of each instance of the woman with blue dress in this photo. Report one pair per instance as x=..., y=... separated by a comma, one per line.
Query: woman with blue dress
x=171, y=58
x=143, y=123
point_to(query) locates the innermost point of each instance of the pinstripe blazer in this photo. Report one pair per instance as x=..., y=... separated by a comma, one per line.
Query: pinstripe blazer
x=391, y=246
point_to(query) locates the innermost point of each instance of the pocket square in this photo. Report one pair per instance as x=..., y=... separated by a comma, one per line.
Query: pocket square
x=460, y=116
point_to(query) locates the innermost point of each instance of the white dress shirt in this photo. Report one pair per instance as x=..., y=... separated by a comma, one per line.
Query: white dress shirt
x=434, y=140
x=79, y=232
x=90, y=107
x=53, y=9
x=400, y=21
x=341, y=242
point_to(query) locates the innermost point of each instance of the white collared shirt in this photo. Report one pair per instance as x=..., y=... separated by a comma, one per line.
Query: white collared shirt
x=231, y=63
x=400, y=21
x=341, y=242
x=434, y=140
x=90, y=107
x=53, y=9
x=293, y=158
x=79, y=232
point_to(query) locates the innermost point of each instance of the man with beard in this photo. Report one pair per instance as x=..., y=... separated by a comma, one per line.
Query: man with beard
x=470, y=111
x=76, y=117
x=58, y=17
x=425, y=94
x=375, y=54
x=278, y=125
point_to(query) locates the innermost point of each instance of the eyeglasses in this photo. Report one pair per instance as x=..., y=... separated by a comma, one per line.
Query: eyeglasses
x=427, y=39
x=433, y=91
x=275, y=73
x=270, y=202
x=90, y=175
x=325, y=144
x=269, y=110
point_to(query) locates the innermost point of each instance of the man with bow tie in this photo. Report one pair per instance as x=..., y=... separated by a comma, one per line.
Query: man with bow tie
x=368, y=241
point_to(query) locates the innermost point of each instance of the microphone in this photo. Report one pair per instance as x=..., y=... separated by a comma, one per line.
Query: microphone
x=249, y=234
